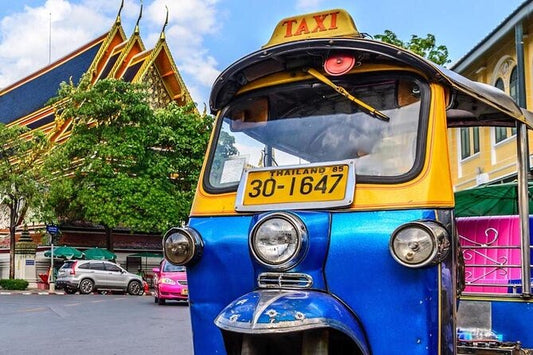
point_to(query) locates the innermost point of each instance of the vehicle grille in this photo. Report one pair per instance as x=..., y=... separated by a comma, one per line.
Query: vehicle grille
x=284, y=280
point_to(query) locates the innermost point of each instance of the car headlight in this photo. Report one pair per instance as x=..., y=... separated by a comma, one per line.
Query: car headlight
x=182, y=246
x=278, y=240
x=418, y=244
x=167, y=281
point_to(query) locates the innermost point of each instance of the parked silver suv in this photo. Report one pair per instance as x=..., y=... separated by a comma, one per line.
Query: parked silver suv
x=87, y=276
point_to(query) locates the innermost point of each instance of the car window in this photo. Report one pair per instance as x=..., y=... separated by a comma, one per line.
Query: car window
x=97, y=266
x=84, y=266
x=112, y=267
x=68, y=265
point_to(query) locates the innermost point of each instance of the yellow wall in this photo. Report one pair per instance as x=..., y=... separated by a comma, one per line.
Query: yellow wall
x=497, y=161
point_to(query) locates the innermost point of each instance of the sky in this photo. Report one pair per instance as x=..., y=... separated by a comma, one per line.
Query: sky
x=206, y=36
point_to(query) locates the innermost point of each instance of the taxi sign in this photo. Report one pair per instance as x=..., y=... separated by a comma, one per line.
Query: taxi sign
x=297, y=187
x=323, y=24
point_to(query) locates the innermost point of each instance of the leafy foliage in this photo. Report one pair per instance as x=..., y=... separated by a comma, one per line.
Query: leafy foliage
x=125, y=165
x=13, y=284
x=425, y=47
x=21, y=153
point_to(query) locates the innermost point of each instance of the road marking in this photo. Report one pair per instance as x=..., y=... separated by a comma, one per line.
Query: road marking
x=34, y=309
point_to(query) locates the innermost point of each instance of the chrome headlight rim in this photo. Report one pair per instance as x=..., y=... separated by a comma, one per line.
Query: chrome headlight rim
x=440, y=240
x=193, y=250
x=302, y=240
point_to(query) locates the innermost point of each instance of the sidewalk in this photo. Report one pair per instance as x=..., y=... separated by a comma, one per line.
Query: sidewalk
x=36, y=291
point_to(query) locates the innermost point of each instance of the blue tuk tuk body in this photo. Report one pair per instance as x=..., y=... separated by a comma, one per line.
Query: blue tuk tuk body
x=381, y=305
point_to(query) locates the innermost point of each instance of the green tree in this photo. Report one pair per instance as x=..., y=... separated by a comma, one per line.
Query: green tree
x=21, y=153
x=124, y=164
x=425, y=47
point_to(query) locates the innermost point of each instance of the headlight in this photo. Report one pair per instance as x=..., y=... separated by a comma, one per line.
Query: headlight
x=418, y=244
x=167, y=281
x=182, y=246
x=278, y=240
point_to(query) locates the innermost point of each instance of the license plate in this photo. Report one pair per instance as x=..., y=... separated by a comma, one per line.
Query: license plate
x=301, y=186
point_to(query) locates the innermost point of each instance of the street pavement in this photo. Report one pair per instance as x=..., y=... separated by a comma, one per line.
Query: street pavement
x=41, y=322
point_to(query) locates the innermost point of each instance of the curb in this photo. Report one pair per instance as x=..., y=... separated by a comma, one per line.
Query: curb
x=31, y=292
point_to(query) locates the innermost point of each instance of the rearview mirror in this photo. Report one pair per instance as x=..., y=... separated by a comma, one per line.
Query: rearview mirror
x=408, y=93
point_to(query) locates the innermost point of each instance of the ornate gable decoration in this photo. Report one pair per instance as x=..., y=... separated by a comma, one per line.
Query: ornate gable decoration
x=159, y=96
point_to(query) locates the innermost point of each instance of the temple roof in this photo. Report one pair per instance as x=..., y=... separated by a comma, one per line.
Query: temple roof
x=32, y=93
x=112, y=55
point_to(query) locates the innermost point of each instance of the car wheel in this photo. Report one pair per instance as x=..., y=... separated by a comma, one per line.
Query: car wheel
x=70, y=291
x=160, y=301
x=86, y=286
x=135, y=288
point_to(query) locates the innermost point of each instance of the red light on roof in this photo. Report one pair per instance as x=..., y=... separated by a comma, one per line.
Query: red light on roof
x=339, y=64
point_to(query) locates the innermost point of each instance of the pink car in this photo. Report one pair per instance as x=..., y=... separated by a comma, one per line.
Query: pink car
x=170, y=283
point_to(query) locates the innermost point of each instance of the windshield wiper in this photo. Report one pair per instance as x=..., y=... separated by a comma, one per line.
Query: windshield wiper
x=378, y=114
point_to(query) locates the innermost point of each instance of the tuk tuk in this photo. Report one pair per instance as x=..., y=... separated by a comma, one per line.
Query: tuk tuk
x=323, y=221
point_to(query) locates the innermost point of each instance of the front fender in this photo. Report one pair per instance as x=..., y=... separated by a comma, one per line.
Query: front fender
x=283, y=311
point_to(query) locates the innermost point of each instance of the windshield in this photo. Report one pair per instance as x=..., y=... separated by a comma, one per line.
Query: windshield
x=310, y=122
x=168, y=267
